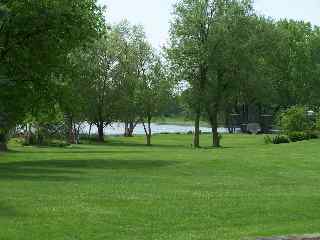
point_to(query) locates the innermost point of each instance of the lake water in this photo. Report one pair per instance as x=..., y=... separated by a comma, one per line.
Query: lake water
x=118, y=129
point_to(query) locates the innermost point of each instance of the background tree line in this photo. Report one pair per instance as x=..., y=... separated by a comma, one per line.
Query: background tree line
x=231, y=56
x=62, y=64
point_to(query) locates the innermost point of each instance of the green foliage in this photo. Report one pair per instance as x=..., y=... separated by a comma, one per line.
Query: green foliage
x=35, y=40
x=298, y=136
x=280, y=139
x=318, y=122
x=312, y=134
x=295, y=119
x=268, y=139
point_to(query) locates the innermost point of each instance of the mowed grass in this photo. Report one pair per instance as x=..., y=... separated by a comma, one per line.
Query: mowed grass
x=125, y=190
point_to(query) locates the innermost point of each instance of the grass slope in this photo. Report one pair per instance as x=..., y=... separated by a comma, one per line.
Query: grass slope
x=126, y=191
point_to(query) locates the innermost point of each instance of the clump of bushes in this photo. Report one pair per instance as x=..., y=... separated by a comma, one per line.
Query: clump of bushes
x=318, y=122
x=295, y=119
x=296, y=126
x=313, y=134
x=298, y=136
x=278, y=139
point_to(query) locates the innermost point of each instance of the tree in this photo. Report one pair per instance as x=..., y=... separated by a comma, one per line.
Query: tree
x=134, y=54
x=154, y=93
x=99, y=70
x=230, y=58
x=294, y=67
x=189, y=42
x=35, y=38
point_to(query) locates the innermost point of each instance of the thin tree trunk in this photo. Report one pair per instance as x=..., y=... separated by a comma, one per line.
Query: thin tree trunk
x=126, y=129
x=213, y=112
x=3, y=143
x=90, y=128
x=100, y=132
x=76, y=130
x=132, y=126
x=214, y=128
x=196, y=137
x=40, y=136
x=29, y=137
x=148, y=131
x=129, y=128
x=71, y=132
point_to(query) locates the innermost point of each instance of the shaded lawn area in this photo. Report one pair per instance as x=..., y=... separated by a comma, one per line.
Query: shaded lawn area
x=125, y=190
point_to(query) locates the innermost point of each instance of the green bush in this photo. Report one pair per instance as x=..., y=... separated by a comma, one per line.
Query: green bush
x=298, y=136
x=268, y=139
x=295, y=120
x=312, y=135
x=318, y=122
x=280, y=139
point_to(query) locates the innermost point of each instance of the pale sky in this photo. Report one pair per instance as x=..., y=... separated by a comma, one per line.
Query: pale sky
x=155, y=15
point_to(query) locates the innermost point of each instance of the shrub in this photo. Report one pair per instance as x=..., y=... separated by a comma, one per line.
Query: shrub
x=298, y=136
x=312, y=135
x=280, y=139
x=295, y=120
x=318, y=122
x=268, y=139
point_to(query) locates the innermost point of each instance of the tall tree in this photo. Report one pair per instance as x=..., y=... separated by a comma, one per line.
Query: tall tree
x=155, y=90
x=189, y=42
x=35, y=38
x=99, y=71
x=230, y=59
x=134, y=55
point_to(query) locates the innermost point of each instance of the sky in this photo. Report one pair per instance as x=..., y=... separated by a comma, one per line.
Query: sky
x=155, y=15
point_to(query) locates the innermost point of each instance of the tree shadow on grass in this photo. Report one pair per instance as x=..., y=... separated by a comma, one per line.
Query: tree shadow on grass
x=78, y=151
x=6, y=211
x=216, y=148
x=69, y=170
x=118, y=143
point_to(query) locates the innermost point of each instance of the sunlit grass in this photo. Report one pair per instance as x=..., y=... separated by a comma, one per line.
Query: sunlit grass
x=125, y=190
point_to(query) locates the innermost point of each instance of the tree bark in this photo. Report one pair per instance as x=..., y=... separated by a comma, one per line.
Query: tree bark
x=90, y=128
x=148, y=131
x=214, y=128
x=196, y=137
x=70, y=130
x=126, y=129
x=29, y=137
x=3, y=143
x=213, y=111
x=100, y=132
x=129, y=128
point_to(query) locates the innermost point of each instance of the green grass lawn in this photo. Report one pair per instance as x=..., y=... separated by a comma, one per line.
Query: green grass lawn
x=125, y=191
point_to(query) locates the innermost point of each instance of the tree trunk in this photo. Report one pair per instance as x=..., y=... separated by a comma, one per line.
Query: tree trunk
x=214, y=128
x=76, y=130
x=29, y=137
x=70, y=130
x=40, y=135
x=100, y=132
x=90, y=128
x=148, y=130
x=129, y=128
x=3, y=143
x=132, y=126
x=126, y=129
x=196, y=137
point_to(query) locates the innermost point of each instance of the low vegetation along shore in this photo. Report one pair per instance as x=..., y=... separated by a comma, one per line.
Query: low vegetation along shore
x=125, y=190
